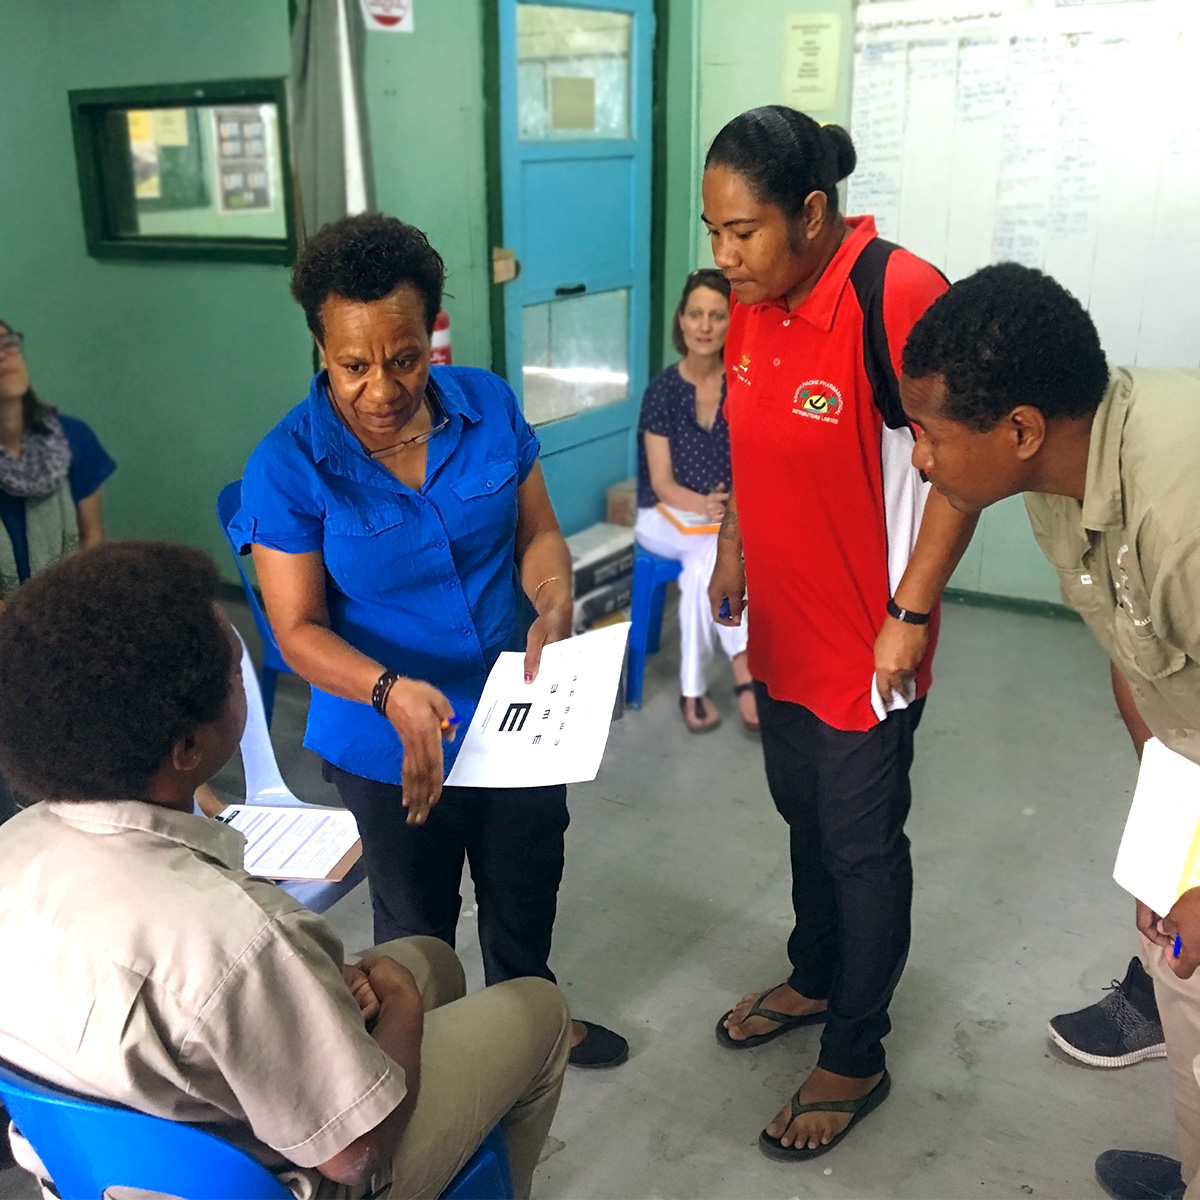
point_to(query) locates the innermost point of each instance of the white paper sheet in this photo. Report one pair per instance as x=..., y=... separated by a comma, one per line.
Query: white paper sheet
x=1156, y=861
x=292, y=842
x=553, y=730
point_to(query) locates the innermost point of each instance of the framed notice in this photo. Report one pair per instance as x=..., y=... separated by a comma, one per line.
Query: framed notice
x=243, y=159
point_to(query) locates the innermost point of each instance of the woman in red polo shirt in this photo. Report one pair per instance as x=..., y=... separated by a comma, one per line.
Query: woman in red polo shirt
x=844, y=553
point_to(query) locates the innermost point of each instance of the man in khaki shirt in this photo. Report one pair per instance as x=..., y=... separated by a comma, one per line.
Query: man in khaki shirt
x=155, y=972
x=1006, y=380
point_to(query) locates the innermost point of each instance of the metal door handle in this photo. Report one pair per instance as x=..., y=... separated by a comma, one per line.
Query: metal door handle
x=574, y=290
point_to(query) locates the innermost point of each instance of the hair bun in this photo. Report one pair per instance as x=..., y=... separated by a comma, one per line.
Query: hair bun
x=838, y=140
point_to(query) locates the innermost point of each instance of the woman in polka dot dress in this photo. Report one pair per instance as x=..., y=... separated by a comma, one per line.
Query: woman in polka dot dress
x=684, y=466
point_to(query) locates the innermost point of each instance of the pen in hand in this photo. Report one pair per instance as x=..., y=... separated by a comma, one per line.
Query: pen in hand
x=1178, y=945
x=449, y=724
x=724, y=612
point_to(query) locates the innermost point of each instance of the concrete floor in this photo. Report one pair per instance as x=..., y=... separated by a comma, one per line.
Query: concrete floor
x=676, y=901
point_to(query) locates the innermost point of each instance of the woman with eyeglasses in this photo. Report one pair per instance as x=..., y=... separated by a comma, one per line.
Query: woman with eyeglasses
x=683, y=484
x=392, y=515
x=51, y=469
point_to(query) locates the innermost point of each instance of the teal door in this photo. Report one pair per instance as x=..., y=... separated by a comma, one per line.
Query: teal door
x=575, y=83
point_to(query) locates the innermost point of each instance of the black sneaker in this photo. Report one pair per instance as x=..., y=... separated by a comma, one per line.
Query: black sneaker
x=1137, y=1175
x=1122, y=1029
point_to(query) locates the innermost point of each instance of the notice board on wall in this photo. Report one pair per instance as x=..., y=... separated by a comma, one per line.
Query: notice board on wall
x=1061, y=135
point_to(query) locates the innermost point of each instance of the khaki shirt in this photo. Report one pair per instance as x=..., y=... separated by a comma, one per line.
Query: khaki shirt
x=143, y=965
x=1128, y=557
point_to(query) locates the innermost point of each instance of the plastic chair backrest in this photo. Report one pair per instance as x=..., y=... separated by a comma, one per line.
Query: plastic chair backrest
x=264, y=781
x=228, y=503
x=88, y=1145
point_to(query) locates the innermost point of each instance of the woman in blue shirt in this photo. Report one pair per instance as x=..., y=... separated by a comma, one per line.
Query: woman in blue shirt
x=684, y=469
x=392, y=515
x=51, y=469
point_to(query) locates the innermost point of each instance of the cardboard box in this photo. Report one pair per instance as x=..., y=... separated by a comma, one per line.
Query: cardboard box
x=622, y=502
x=600, y=554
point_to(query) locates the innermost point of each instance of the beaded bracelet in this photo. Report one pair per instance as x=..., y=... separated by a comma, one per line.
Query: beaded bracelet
x=381, y=691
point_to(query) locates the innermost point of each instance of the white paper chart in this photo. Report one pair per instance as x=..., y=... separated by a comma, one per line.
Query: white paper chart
x=553, y=730
x=1064, y=137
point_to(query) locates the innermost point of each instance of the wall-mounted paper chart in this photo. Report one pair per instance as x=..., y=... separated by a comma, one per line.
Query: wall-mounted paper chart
x=1063, y=137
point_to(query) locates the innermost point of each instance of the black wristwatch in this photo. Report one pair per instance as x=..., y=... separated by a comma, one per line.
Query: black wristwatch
x=905, y=614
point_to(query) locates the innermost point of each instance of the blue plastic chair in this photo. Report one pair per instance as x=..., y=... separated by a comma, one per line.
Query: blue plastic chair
x=228, y=503
x=88, y=1145
x=651, y=574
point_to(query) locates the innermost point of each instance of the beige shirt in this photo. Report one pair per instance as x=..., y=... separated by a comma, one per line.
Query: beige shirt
x=1128, y=557
x=143, y=965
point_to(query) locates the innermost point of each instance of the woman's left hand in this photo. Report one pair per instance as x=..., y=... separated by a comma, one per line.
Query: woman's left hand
x=899, y=649
x=556, y=612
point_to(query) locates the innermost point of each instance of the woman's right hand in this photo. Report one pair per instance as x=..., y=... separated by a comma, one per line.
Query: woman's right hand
x=416, y=710
x=728, y=582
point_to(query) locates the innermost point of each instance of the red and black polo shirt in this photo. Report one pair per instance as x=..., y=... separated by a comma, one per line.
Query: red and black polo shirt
x=828, y=501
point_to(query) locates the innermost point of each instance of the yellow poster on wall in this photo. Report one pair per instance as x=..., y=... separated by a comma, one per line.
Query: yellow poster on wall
x=147, y=182
x=170, y=126
x=811, y=53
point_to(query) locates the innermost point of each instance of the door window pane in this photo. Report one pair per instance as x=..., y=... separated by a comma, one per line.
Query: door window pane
x=572, y=73
x=576, y=355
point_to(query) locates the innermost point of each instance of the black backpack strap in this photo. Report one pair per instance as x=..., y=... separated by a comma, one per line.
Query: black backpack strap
x=867, y=277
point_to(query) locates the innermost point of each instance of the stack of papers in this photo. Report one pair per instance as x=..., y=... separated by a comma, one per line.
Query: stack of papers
x=688, y=522
x=295, y=842
x=1159, y=858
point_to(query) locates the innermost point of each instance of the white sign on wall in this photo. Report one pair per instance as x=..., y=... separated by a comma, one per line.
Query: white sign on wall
x=388, y=16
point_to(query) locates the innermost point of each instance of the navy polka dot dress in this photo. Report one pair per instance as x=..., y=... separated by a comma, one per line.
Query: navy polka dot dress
x=700, y=457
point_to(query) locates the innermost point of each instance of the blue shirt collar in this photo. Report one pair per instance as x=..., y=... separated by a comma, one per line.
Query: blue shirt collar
x=332, y=442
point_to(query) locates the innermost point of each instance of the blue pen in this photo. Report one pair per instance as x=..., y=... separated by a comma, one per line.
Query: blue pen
x=1178, y=944
x=724, y=613
x=449, y=723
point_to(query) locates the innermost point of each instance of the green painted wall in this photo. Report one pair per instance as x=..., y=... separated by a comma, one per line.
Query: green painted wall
x=425, y=107
x=179, y=367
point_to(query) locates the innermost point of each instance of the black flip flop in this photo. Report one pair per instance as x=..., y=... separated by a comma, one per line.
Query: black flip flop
x=785, y=1021
x=701, y=713
x=774, y=1148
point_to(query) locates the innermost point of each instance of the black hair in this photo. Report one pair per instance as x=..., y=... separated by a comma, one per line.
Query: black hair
x=708, y=277
x=108, y=659
x=785, y=156
x=1009, y=335
x=34, y=410
x=364, y=258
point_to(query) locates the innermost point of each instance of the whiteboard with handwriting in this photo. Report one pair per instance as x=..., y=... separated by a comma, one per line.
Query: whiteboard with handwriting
x=1062, y=136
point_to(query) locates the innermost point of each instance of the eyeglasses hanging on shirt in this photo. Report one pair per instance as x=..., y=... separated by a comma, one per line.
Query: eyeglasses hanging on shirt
x=418, y=439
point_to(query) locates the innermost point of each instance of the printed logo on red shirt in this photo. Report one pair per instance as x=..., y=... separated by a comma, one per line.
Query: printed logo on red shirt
x=741, y=370
x=818, y=399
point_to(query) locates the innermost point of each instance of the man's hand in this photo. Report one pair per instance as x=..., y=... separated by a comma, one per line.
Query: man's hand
x=728, y=582
x=1184, y=920
x=1148, y=922
x=899, y=649
x=360, y=987
x=389, y=980
x=556, y=614
x=417, y=710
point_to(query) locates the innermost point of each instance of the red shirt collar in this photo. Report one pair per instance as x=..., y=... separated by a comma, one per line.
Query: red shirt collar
x=820, y=307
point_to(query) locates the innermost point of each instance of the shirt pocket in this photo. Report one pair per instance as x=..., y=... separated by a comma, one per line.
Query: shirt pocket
x=486, y=506
x=368, y=551
x=1143, y=650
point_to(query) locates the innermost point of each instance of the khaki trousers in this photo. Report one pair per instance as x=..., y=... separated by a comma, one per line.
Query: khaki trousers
x=1179, y=1010
x=495, y=1057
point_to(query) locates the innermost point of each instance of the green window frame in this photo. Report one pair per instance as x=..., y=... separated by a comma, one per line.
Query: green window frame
x=106, y=183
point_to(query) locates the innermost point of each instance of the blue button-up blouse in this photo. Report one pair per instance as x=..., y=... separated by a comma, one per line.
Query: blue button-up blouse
x=424, y=582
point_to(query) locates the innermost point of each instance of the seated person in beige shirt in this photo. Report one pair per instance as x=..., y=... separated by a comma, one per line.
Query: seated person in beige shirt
x=157, y=973
x=1007, y=381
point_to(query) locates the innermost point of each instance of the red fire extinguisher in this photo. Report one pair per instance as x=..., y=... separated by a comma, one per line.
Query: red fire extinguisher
x=441, y=340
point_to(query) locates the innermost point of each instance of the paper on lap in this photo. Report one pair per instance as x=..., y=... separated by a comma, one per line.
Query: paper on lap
x=553, y=730
x=295, y=842
x=1159, y=858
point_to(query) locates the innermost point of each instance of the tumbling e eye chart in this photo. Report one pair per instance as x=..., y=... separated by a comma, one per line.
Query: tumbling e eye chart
x=551, y=731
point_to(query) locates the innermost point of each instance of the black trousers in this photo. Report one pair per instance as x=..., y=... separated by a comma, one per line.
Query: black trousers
x=511, y=837
x=845, y=797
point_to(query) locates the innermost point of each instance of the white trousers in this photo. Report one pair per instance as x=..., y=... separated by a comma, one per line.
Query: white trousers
x=698, y=554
